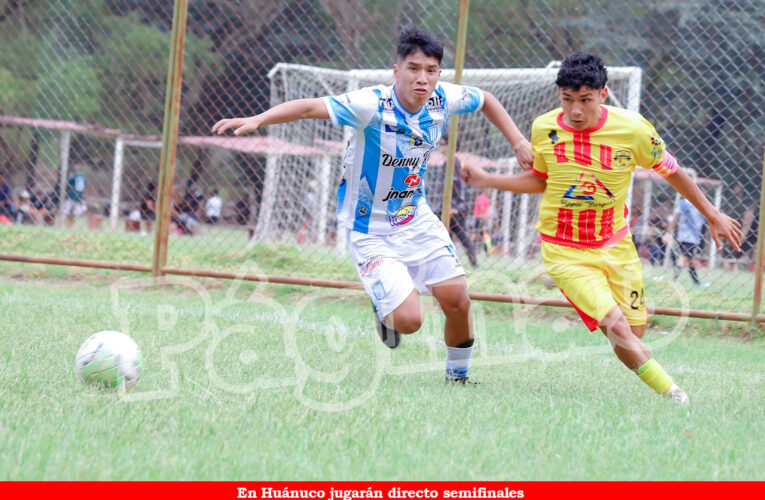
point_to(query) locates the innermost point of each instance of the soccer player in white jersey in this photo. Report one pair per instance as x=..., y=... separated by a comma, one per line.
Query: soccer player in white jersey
x=400, y=248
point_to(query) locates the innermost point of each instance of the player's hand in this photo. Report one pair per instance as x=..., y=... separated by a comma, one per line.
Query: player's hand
x=723, y=226
x=666, y=238
x=239, y=125
x=474, y=175
x=523, y=154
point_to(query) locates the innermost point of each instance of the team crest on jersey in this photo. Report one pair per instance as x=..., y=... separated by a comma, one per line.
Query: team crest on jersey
x=432, y=132
x=657, y=147
x=585, y=188
x=402, y=216
x=622, y=158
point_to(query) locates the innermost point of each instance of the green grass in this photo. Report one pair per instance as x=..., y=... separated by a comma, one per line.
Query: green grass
x=226, y=249
x=265, y=382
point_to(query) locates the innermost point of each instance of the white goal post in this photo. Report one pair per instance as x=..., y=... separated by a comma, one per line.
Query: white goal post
x=299, y=193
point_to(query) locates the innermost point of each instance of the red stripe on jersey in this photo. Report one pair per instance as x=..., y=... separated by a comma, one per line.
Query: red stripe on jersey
x=538, y=173
x=582, y=148
x=565, y=229
x=607, y=223
x=560, y=152
x=587, y=226
x=605, y=157
x=613, y=240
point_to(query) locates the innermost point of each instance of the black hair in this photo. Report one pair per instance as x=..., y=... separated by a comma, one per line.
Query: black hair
x=412, y=40
x=582, y=69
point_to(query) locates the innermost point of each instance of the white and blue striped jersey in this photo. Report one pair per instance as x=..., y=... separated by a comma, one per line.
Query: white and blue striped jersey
x=382, y=189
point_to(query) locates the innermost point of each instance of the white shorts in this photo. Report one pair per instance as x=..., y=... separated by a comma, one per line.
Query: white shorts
x=73, y=207
x=391, y=266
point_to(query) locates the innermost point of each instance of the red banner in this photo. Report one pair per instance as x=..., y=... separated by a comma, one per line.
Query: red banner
x=388, y=490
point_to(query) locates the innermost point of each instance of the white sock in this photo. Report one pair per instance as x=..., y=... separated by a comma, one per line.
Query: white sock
x=458, y=361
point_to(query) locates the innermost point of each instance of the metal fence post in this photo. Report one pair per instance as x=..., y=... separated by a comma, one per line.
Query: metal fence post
x=760, y=261
x=459, y=62
x=169, y=137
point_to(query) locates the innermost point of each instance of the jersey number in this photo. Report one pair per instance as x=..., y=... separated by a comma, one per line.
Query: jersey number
x=638, y=299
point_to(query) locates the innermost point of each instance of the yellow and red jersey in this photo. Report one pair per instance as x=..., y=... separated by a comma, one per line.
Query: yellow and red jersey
x=588, y=174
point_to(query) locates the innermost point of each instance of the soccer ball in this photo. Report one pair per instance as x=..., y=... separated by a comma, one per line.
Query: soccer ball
x=111, y=359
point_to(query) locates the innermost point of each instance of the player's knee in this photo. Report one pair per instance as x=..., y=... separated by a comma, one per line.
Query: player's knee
x=408, y=323
x=456, y=304
x=614, y=323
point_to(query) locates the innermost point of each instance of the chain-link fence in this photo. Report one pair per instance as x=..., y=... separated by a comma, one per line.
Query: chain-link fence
x=82, y=91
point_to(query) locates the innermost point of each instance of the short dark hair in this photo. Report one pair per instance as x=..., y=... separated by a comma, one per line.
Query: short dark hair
x=582, y=69
x=411, y=40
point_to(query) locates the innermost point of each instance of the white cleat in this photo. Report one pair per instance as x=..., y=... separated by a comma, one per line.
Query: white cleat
x=677, y=395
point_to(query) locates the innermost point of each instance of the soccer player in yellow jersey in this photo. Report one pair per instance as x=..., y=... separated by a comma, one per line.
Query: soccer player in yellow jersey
x=584, y=156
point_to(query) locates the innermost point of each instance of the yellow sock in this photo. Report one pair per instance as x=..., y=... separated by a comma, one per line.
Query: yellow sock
x=654, y=376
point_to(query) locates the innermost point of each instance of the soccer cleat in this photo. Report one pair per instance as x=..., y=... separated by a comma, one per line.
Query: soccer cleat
x=460, y=380
x=389, y=336
x=677, y=395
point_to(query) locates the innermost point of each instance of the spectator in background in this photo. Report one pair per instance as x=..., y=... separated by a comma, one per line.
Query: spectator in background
x=193, y=198
x=43, y=204
x=148, y=207
x=74, y=203
x=242, y=209
x=213, y=207
x=482, y=214
x=689, y=222
x=6, y=201
x=26, y=212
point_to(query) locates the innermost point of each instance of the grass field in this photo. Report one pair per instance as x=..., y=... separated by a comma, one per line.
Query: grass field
x=225, y=248
x=245, y=381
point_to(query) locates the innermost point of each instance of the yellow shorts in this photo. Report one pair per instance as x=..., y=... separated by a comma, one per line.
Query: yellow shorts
x=594, y=280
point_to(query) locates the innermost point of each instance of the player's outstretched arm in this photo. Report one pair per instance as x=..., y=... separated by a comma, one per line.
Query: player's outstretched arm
x=285, y=112
x=525, y=182
x=720, y=225
x=498, y=115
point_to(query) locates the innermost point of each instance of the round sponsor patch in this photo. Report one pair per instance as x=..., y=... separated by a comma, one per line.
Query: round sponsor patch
x=404, y=215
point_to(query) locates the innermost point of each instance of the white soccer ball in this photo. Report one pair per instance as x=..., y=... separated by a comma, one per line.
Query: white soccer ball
x=109, y=358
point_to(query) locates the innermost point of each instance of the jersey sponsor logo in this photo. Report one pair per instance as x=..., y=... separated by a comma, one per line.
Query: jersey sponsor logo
x=412, y=180
x=435, y=103
x=404, y=215
x=370, y=265
x=394, y=194
x=587, y=186
x=623, y=159
x=390, y=161
x=386, y=103
x=553, y=135
x=416, y=142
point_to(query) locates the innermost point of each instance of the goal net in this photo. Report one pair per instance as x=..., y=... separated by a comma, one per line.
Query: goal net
x=298, y=191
